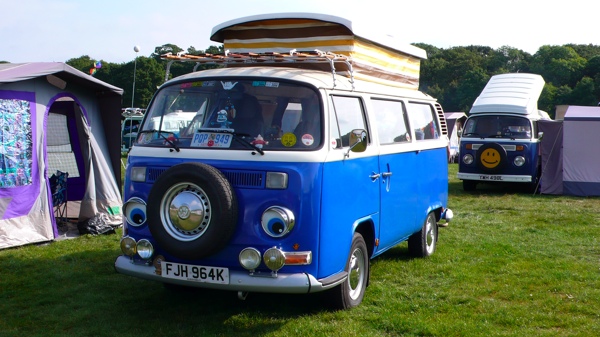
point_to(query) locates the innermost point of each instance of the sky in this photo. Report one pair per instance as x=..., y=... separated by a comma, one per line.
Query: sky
x=108, y=30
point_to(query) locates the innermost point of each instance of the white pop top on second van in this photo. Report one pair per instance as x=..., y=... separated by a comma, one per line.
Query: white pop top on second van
x=511, y=93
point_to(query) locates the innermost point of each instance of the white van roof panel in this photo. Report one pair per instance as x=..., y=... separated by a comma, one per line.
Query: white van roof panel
x=512, y=93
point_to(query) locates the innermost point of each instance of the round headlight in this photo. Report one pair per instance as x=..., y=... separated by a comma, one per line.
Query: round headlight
x=468, y=159
x=274, y=259
x=145, y=249
x=128, y=246
x=249, y=258
x=135, y=211
x=519, y=161
x=277, y=221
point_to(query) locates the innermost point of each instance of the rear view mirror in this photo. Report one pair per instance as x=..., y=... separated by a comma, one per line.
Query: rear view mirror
x=358, y=141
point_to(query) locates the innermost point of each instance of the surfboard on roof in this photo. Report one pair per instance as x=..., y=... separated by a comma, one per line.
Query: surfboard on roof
x=379, y=59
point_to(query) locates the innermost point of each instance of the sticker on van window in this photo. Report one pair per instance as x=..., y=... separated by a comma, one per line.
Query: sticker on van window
x=267, y=84
x=288, y=139
x=307, y=139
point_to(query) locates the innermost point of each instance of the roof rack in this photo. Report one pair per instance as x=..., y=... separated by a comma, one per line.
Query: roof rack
x=299, y=59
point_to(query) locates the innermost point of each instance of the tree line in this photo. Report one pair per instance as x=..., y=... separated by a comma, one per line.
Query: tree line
x=455, y=76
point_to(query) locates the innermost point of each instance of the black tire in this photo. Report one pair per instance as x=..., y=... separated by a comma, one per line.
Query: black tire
x=192, y=211
x=491, y=157
x=469, y=185
x=350, y=293
x=424, y=242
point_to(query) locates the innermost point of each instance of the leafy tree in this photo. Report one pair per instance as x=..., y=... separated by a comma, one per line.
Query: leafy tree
x=558, y=65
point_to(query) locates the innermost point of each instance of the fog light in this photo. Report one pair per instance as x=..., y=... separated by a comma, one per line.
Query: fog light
x=249, y=258
x=519, y=161
x=128, y=246
x=274, y=259
x=468, y=159
x=145, y=249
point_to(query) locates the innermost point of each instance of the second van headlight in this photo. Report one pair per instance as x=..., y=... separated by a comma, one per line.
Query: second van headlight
x=519, y=160
x=277, y=221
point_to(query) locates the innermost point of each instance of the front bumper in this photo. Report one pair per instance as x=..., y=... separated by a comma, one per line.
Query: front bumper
x=299, y=283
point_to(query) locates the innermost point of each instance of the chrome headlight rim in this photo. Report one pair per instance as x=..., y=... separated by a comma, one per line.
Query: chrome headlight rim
x=468, y=159
x=277, y=221
x=519, y=161
x=134, y=211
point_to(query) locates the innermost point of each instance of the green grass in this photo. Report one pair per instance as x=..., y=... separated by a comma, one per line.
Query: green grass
x=510, y=264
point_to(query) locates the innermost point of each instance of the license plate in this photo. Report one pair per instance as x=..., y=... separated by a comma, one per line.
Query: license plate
x=210, y=139
x=194, y=273
x=493, y=178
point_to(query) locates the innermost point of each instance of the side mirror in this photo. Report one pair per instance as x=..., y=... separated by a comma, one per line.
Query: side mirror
x=358, y=141
x=540, y=135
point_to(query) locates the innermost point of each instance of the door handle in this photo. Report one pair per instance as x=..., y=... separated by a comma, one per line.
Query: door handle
x=386, y=174
x=374, y=176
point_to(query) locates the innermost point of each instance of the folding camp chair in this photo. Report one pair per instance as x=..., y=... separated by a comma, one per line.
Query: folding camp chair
x=58, y=186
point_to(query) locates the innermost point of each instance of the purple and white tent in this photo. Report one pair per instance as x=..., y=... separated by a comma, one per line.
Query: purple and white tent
x=54, y=117
x=571, y=153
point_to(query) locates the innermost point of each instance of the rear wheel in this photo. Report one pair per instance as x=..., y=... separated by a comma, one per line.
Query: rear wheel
x=424, y=242
x=350, y=293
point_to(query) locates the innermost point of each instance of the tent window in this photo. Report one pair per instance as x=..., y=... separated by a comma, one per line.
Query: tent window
x=59, y=147
x=15, y=147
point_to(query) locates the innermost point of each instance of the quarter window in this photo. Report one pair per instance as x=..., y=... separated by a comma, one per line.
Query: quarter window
x=423, y=121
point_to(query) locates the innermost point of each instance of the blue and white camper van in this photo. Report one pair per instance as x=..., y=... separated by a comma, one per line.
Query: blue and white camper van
x=500, y=140
x=293, y=174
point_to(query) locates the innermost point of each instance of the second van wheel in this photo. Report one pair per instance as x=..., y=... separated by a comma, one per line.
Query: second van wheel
x=424, y=242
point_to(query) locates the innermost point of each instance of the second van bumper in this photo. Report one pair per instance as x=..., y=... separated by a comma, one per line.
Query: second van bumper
x=494, y=177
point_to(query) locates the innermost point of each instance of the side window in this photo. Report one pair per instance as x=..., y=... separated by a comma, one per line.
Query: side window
x=349, y=116
x=391, y=121
x=423, y=121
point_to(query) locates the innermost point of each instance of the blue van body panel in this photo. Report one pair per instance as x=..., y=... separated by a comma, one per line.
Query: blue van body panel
x=304, y=179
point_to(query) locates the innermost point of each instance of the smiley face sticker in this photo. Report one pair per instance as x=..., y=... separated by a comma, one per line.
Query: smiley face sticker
x=490, y=158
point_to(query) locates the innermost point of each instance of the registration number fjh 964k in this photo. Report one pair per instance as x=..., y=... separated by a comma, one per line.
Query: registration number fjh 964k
x=194, y=273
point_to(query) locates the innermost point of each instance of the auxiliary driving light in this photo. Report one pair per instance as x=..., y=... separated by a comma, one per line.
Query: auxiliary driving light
x=128, y=246
x=145, y=249
x=249, y=258
x=274, y=259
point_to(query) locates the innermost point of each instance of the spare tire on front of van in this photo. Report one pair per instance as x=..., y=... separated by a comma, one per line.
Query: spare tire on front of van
x=192, y=210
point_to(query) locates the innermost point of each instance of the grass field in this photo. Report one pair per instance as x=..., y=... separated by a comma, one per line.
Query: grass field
x=510, y=264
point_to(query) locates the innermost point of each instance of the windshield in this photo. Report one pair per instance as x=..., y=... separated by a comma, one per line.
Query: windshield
x=269, y=115
x=511, y=127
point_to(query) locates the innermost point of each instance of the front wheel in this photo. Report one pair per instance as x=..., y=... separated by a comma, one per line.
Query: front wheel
x=423, y=242
x=350, y=293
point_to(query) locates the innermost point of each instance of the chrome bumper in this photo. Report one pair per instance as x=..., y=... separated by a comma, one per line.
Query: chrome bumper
x=238, y=281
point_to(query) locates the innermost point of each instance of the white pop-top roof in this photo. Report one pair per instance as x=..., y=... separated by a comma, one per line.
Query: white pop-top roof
x=511, y=93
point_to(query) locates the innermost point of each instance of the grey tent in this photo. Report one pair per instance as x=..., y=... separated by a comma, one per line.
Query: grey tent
x=570, y=153
x=53, y=118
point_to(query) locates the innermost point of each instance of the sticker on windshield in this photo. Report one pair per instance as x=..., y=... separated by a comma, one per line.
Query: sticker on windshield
x=307, y=139
x=288, y=139
x=267, y=84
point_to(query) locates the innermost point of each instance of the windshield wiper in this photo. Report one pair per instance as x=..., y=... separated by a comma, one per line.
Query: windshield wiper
x=239, y=137
x=160, y=133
